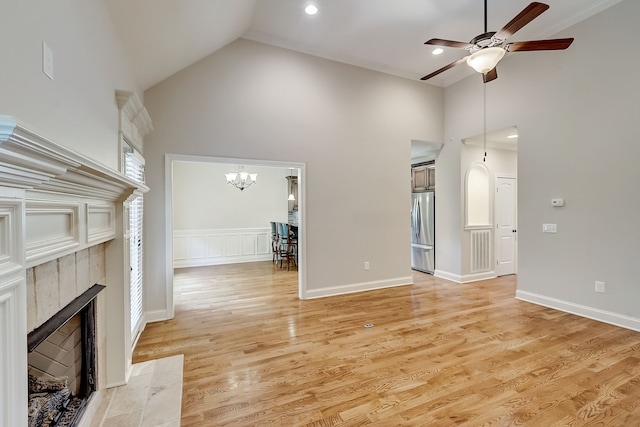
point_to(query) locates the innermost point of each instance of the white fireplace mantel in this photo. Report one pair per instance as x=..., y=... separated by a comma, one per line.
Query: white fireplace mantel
x=53, y=202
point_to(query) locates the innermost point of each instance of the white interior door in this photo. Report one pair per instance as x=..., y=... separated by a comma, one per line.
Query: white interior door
x=506, y=226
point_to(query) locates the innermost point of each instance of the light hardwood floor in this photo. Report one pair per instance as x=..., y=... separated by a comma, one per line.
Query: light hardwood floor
x=439, y=354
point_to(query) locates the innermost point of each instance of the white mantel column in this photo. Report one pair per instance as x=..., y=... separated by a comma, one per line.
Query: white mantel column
x=13, y=312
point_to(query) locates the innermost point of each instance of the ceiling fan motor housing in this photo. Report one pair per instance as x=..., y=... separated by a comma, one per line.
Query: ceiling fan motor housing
x=484, y=40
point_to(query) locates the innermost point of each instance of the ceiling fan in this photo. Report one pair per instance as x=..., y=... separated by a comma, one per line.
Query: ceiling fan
x=488, y=48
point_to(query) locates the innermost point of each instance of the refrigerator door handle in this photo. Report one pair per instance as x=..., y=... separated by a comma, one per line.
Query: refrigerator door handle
x=413, y=217
x=418, y=219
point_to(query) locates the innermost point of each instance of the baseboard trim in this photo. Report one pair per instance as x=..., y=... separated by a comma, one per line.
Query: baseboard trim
x=479, y=276
x=467, y=278
x=448, y=276
x=357, y=287
x=156, y=316
x=604, y=316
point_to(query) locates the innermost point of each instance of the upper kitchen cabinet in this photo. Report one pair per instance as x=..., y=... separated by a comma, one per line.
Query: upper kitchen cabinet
x=423, y=177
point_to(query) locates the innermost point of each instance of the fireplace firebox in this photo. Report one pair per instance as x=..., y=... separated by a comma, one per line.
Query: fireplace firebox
x=62, y=363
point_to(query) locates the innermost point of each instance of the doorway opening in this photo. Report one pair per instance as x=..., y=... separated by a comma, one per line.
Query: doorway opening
x=493, y=238
x=209, y=246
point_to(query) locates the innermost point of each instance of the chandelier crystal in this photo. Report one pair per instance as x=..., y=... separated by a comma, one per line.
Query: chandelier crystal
x=241, y=179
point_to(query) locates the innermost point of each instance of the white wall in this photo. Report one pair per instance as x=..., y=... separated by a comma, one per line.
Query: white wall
x=203, y=200
x=351, y=127
x=576, y=120
x=77, y=109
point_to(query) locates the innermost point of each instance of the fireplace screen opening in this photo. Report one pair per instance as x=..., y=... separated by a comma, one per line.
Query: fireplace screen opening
x=62, y=364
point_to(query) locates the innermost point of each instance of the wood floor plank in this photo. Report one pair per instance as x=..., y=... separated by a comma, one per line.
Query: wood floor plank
x=439, y=354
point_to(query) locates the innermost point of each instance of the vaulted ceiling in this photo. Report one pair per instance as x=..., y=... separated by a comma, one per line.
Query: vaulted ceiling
x=164, y=36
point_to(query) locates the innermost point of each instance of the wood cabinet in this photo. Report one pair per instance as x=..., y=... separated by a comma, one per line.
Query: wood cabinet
x=423, y=178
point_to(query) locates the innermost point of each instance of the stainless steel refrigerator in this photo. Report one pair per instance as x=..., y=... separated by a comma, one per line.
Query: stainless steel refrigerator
x=423, y=231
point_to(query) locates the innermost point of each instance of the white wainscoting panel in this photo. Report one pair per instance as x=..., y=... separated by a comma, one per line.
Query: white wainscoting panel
x=193, y=248
x=216, y=246
x=263, y=243
x=480, y=251
x=248, y=244
x=197, y=247
x=232, y=245
x=180, y=250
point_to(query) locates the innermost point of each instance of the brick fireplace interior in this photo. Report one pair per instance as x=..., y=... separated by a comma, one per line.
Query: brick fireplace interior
x=62, y=342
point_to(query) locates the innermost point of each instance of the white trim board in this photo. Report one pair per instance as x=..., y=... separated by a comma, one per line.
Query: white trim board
x=467, y=278
x=609, y=317
x=358, y=287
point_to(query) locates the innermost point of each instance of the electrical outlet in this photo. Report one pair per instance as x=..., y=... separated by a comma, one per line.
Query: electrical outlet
x=366, y=265
x=600, y=287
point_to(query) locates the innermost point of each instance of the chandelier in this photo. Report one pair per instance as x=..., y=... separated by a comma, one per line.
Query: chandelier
x=241, y=179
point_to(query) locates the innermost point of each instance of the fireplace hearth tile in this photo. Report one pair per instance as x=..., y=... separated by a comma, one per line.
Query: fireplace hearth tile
x=125, y=420
x=153, y=397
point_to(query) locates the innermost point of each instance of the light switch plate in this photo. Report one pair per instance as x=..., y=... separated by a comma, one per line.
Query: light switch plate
x=549, y=228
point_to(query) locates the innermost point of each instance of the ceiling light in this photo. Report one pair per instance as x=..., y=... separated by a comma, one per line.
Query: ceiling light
x=311, y=9
x=241, y=179
x=515, y=135
x=437, y=51
x=291, y=197
x=485, y=59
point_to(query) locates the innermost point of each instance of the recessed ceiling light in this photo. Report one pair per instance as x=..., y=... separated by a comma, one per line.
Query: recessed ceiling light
x=311, y=9
x=515, y=135
x=437, y=51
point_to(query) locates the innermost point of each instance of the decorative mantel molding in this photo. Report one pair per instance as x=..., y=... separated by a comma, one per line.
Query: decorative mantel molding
x=29, y=161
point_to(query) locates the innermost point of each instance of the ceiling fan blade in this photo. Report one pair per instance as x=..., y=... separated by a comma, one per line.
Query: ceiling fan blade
x=449, y=43
x=445, y=68
x=553, y=44
x=527, y=15
x=490, y=75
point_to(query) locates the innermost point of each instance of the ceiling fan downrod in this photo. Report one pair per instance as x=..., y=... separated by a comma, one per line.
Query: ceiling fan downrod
x=485, y=17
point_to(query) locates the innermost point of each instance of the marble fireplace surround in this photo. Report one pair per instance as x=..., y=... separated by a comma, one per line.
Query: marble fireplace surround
x=61, y=231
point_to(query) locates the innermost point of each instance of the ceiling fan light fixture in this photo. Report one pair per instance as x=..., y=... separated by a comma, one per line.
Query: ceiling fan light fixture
x=485, y=59
x=437, y=51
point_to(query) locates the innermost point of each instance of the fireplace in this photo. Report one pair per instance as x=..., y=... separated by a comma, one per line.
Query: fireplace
x=62, y=363
x=61, y=232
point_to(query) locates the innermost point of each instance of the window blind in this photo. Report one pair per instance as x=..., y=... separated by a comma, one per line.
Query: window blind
x=134, y=168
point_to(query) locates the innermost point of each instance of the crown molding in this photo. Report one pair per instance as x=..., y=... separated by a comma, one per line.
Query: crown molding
x=129, y=103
